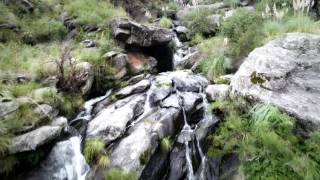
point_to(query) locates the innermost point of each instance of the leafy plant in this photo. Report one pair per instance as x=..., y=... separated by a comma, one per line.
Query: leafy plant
x=243, y=30
x=214, y=67
x=165, y=144
x=165, y=22
x=197, y=21
x=93, y=150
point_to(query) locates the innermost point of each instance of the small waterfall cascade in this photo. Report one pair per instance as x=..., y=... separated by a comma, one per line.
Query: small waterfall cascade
x=66, y=160
x=197, y=133
x=182, y=53
x=80, y=165
x=86, y=114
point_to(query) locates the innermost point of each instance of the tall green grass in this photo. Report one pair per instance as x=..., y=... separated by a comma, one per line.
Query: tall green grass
x=95, y=12
x=263, y=138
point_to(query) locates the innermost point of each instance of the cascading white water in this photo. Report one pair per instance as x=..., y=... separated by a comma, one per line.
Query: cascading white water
x=182, y=54
x=147, y=107
x=189, y=162
x=86, y=114
x=78, y=160
x=207, y=119
x=187, y=134
x=65, y=161
x=203, y=161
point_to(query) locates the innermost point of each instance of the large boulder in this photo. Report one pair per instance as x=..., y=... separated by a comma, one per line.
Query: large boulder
x=286, y=73
x=135, y=34
x=217, y=91
x=111, y=122
x=32, y=140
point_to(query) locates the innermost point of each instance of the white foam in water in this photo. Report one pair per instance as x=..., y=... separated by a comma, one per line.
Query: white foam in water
x=88, y=106
x=78, y=160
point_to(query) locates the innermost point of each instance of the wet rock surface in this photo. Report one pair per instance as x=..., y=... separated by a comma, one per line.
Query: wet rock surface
x=286, y=73
x=144, y=113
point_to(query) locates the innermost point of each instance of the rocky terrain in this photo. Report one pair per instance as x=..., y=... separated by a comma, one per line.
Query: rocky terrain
x=197, y=90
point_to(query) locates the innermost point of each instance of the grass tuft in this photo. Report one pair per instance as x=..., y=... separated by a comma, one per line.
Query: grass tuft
x=118, y=174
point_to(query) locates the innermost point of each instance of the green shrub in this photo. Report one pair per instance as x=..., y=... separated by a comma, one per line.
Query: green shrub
x=273, y=29
x=5, y=140
x=118, y=174
x=243, y=30
x=103, y=161
x=165, y=22
x=94, y=12
x=197, y=21
x=165, y=144
x=264, y=140
x=213, y=67
x=24, y=116
x=93, y=150
x=42, y=29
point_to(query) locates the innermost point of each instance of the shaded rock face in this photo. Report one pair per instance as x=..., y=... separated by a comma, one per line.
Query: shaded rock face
x=316, y=8
x=286, y=73
x=130, y=63
x=152, y=41
x=139, y=35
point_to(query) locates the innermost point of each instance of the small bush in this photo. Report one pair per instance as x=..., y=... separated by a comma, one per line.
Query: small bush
x=165, y=22
x=103, y=161
x=243, y=30
x=165, y=144
x=118, y=174
x=93, y=150
x=197, y=22
x=5, y=140
x=213, y=67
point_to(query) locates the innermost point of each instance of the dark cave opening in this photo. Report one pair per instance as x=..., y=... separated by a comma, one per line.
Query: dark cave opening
x=163, y=55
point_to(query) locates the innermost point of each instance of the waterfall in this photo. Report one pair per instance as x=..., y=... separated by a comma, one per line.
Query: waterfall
x=79, y=163
x=203, y=161
x=189, y=162
x=65, y=161
x=86, y=114
x=147, y=107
